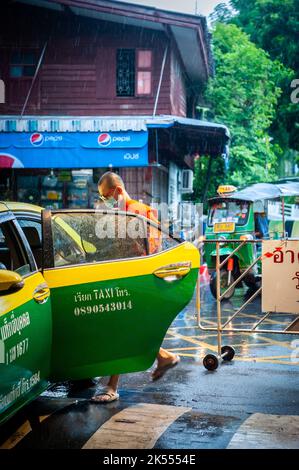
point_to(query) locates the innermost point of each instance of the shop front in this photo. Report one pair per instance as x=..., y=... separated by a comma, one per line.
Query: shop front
x=56, y=162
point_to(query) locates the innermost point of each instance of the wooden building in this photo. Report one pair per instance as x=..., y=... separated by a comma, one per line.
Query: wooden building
x=101, y=84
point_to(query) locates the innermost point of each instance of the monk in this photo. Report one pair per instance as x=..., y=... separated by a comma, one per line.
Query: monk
x=113, y=193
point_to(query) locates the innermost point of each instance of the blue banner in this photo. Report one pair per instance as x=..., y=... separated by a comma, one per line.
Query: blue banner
x=73, y=149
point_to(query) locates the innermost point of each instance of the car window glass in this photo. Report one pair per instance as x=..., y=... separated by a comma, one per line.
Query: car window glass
x=24, y=223
x=159, y=240
x=33, y=232
x=94, y=237
x=12, y=253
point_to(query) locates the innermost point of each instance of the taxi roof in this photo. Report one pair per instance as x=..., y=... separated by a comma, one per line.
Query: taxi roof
x=3, y=207
x=19, y=206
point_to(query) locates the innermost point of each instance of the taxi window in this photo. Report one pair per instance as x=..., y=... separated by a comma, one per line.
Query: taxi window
x=12, y=255
x=24, y=223
x=159, y=240
x=33, y=232
x=94, y=237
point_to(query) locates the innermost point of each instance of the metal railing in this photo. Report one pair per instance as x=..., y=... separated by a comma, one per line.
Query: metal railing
x=226, y=352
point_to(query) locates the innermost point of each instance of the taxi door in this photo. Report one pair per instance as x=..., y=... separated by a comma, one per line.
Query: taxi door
x=112, y=301
x=25, y=321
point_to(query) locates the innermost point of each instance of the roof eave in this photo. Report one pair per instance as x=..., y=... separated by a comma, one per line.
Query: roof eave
x=153, y=15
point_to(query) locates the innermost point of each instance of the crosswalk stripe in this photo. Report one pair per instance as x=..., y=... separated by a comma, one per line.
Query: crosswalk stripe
x=135, y=427
x=266, y=431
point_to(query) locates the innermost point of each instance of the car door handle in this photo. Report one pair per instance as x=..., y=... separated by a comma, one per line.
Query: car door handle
x=41, y=293
x=173, y=272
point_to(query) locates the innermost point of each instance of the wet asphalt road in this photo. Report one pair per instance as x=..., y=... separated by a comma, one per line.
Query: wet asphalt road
x=262, y=378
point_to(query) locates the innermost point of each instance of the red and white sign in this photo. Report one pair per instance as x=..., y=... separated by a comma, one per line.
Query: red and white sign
x=9, y=161
x=280, y=276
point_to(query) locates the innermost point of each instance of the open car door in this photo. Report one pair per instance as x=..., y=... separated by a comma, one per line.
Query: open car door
x=117, y=283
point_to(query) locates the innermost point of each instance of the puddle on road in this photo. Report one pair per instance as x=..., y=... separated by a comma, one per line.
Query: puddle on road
x=58, y=390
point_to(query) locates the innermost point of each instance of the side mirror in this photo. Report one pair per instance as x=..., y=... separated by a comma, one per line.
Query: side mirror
x=10, y=281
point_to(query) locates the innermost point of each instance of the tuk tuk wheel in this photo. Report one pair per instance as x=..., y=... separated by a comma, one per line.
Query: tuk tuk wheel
x=223, y=284
x=227, y=353
x=250, y=281
x=210, y=362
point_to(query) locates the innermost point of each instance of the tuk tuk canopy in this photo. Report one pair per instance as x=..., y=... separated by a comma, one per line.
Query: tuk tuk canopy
x=260, y=191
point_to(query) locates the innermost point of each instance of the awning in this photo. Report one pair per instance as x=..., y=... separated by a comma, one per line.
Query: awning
x=93, y=142
x=181, y=122
x=73, y=149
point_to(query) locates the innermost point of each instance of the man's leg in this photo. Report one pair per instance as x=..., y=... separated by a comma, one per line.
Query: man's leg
x=165, y=360
x=111, y=391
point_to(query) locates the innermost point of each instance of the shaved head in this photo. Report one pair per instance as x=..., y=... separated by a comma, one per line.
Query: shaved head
x=110, y=180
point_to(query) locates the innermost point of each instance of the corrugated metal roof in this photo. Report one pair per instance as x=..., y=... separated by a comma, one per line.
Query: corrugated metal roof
x=70, y=124
x=101, y=123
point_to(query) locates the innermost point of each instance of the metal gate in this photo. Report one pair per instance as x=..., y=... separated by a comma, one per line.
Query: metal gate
x=227, y=353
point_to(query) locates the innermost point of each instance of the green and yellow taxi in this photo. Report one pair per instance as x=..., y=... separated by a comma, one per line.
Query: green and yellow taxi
x=82, y=295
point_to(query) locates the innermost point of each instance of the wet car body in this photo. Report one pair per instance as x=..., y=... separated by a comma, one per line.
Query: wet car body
x=83, y=305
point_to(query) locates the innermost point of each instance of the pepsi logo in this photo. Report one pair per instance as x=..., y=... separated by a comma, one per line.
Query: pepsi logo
x=36, y=139
x=104, y=140
x=9, y=161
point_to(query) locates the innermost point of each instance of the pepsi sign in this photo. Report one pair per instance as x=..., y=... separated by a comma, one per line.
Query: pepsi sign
x=36, y=139
x=104, y=140
x=73, y=149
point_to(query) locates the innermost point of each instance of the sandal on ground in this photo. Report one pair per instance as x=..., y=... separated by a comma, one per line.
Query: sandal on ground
x=111, y=396
x=160, y=371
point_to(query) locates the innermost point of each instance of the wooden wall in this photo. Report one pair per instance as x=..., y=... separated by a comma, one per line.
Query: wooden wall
x=78, y=75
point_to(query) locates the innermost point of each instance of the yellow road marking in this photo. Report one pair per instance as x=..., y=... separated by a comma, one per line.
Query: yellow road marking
x=198, y=343
x=278, y=343
x=272, y=357
x=184, y=349
x=135, y=427
x=257, y=316
x=283, y=344
x=193, y=355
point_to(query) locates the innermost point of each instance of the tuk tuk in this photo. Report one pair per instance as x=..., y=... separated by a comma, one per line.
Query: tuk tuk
x=242, y=215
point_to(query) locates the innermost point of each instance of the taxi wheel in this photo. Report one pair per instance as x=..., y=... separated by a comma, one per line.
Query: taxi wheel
x=227, y=353
x=210, y=362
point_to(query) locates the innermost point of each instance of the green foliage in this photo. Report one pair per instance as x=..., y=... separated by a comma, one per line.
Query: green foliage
x=244, y=96
x=256, y=52
x=274, y=26
x=222, y=13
